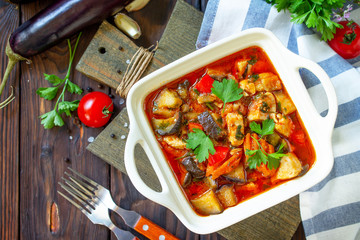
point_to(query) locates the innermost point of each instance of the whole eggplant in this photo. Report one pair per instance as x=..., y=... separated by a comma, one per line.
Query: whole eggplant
x=20, y=1
x=54, y=24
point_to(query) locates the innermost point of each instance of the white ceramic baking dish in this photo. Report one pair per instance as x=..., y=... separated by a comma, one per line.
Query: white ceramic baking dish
x=287, y=65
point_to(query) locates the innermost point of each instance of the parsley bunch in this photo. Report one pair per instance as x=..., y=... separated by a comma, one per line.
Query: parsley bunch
x=314, y=13
x=53, y=118
x=259, y=156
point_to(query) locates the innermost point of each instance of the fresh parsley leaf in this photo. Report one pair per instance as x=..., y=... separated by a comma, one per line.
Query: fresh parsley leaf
x=73, y=88
x=227, y=90
x=51, y=119
x=201, y=144
x=53, y=79
x=256, y=158
x=274, y=158
x=268, y=126
x=67, y=107
x=48, y=93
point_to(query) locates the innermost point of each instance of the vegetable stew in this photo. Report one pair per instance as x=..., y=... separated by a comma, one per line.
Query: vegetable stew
x=229, y=131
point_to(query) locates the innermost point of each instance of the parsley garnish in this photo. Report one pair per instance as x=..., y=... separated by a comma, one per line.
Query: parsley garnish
x=53, y=118
x=268, y=126
x=314, y=13
x=201, y=144
x=253, y=60
x=259, y=156
x=227, y=90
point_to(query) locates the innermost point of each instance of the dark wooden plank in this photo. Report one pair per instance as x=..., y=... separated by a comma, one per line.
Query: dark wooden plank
x=9, y=134
x=43, y=151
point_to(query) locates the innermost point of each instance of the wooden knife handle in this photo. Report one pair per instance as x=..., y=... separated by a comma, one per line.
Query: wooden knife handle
x=152, y=231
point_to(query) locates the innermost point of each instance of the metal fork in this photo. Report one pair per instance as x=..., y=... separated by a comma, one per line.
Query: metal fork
x=131, y=218
x=96, y=211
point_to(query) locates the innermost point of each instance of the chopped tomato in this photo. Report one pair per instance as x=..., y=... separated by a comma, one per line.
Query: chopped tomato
x=205, y=84
x=195, y=189
x=195, y=125
x=260, y=67
x=219, y=155
x=298, y=137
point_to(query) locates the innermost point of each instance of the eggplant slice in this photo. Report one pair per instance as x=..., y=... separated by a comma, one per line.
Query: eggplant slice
x=210, y=126
x=168, y=126
x=191, y=166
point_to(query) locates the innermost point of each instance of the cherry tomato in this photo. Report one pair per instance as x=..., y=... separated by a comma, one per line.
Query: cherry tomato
x=346, y=41
x=95, y=109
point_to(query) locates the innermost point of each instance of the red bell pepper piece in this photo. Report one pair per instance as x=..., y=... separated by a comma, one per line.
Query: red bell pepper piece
x=298, y=137
x=192, y=125
x=205, y=84
x=219, y=155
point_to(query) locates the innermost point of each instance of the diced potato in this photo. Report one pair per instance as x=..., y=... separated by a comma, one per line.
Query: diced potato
x=168, y=99
x=237, y=175
x=236, y=129
x=191, y=116
x=227, y=196
x=261, y=107
x=284, y=103
x=283, y=124
x=165, y=112
x=208, y=203
x=206, y=98
x=175, y=142
x=268, y=82
x=248, y=86
x=243, y=67
x=290, y=167
x=210, y=182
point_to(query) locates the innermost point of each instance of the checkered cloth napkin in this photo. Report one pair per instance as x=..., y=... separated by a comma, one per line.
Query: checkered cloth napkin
x=331, y=209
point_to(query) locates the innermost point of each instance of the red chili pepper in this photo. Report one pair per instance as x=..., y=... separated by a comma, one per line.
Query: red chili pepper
x=192, y=125
x=205, y=84
x=219, y=156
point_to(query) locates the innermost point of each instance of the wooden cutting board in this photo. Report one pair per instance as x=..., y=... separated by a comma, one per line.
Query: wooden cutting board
x=105, y=61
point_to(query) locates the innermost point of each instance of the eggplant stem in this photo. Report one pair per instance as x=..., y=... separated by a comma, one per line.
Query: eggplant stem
x=13, y=59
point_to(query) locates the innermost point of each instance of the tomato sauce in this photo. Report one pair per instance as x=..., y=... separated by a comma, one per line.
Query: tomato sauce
x=259, y=74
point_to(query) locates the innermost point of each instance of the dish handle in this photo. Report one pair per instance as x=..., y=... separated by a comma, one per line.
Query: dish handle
x=330, y=118
x=164, y=197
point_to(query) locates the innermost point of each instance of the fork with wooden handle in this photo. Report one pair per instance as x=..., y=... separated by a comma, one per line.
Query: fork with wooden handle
x=131, y=218
x=96, y=211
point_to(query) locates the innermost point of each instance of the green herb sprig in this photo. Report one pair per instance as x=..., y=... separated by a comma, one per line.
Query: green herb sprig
x=227, y=90
x=201, y=144
x=259, y=156
x=314, y=13
x=53, y=118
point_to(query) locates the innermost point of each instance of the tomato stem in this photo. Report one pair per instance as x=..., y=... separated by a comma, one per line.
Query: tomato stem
x=349, y=37
x=106, y=111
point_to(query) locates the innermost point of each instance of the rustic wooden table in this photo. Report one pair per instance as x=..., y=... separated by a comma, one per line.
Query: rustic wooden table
x=32, y=159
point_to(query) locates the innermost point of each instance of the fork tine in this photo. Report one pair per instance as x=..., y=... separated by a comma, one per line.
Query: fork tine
x=83, y=186
x=73, y=202
x=77, y=191
x=85, y=205
x=82, y=183
x=83, y=177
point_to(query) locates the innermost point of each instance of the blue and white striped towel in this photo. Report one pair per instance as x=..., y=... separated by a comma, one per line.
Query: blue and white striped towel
x=331, y=209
